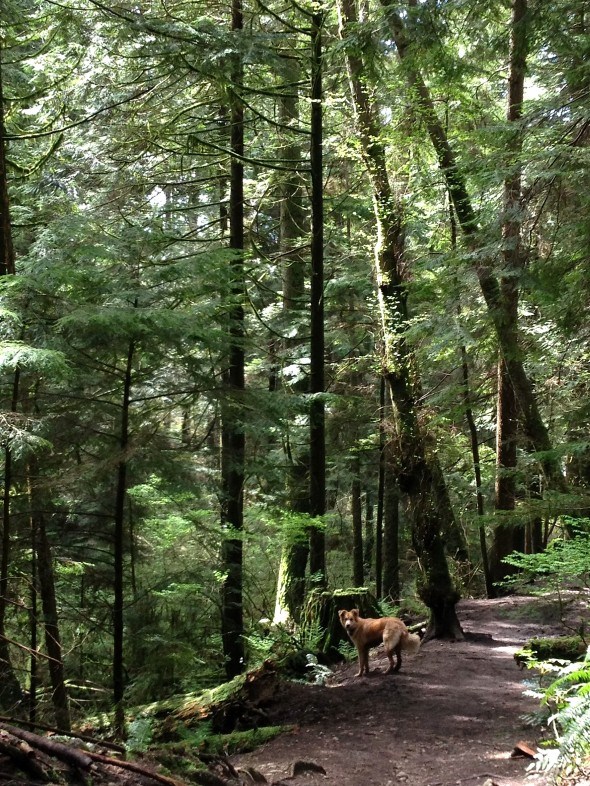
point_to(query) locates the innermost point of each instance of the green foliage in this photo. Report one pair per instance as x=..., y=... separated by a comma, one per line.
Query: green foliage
x=292, y=648
x=139, y=734
x=241, y=741
x=387, y=609
x=348, y=651
x=117, y=139
x=182, y=758
x=568, y=698
x=565, y=561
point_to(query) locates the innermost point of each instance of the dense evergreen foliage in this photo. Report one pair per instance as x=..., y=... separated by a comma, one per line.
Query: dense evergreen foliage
x=211, y=260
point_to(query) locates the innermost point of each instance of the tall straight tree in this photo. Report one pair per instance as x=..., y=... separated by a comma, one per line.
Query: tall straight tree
x=119, y=547
x=380, y=492
x=59, y=694
x=420, y=475
x=292, y=220
x=509, y=536
x=10, y=691
x=317, y=429
x=232, y=436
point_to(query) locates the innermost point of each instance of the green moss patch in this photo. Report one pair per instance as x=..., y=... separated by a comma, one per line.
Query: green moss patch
x=558, y=647
x=242, y=741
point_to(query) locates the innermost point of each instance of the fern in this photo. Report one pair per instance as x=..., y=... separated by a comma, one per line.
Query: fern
x=569, y=697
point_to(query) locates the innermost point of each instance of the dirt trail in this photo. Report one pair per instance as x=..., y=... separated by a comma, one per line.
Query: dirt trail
x=452, y=715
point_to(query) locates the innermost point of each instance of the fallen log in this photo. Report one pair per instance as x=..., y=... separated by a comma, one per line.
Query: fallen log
x=60, y=732
x=23, y=757
x=23, y=748
x=65, y=753
x=229, y=706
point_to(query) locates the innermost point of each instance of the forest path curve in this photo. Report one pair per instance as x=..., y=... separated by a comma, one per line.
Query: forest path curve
x=452, y=715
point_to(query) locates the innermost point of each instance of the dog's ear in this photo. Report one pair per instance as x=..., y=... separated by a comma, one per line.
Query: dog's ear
x=355, y=613
x=341, y=613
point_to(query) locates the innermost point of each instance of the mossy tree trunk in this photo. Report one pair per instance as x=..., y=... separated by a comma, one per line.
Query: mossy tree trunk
x=358, y=571
x=317, y=422
x=10, y=690
x=419, y=475
x=292, y=226
x=233, y=435
x=509, y=534
x=391, y=521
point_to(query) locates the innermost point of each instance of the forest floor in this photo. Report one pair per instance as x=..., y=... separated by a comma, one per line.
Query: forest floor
x=452, y=715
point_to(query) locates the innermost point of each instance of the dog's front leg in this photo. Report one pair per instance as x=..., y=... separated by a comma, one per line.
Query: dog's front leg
x=363, y=661
x=360, y=671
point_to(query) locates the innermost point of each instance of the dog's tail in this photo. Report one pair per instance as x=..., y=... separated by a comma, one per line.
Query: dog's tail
x=411, y=643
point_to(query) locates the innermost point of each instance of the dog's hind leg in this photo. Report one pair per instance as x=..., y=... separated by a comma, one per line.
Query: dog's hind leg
x=398, y=652
x=393, y=645
x=391, y=667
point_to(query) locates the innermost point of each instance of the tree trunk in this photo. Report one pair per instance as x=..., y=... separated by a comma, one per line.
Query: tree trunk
x=291, y=579
x=380, y=493
x=317, y=436
x=33, y=615
x=369, y=544
x=509, y=535
x=294, y=549
x=119, y=551
x=419, y=476
x=358, y=575
x=7, y=265
x=233, y=437
x=533, y=423
x=477, y=472
x=391, y=576
x=59, y=695
x=10, y=690
x=473, y=438
x=42, y=574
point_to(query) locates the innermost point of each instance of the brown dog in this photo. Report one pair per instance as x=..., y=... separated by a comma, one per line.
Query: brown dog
x=367, y=633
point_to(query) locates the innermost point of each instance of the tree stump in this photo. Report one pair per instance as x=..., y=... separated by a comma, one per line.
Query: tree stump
x=320, y=615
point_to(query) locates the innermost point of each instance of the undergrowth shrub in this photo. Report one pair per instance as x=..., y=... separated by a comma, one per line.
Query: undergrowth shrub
x=565, y=563
x=567, y=697
x=563, y=686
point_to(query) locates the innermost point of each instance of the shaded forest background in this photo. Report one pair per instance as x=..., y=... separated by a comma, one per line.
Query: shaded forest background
x=292, y=297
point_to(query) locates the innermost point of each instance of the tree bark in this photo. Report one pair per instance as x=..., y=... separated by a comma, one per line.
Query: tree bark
x=391, y=574
x=474, y=440
x=10, y=690
x=33, y=615
x=317, y=436
x=43, y=577
x=7, y=264
x=294, y=549
x=233, y=437
x=59, y=695
x=509, y=535
x=119, y=550
x=380, y=493
x=358, y=574
x=369, y=530
x=419, y=476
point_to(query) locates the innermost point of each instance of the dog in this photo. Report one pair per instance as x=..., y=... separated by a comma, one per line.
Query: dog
x=367, y=633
